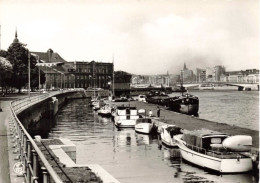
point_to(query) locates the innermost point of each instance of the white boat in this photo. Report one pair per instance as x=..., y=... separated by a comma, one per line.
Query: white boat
x=144, y=125
x=167, y=132
x=105, y=111
x=125, y=117
x=98, y=104
x=141, y=98
x=214, y=150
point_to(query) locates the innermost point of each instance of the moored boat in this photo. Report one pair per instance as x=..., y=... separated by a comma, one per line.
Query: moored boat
x=98, y=104
x=144, y=125
x=186, y=104
x=167, y=132
x=125, y=117
x=216, y=151
x=105, y=111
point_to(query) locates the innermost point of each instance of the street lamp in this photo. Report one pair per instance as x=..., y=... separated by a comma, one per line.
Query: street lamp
x=29, y=74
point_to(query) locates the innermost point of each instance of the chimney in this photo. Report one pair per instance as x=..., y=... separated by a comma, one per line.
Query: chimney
x=50, y=52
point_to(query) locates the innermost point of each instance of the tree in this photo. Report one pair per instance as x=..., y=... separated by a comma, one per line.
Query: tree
x=3, y=53
x=5, y=71
x=17, y=54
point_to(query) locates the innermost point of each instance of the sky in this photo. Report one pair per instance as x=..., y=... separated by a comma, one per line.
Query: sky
x=143, y=36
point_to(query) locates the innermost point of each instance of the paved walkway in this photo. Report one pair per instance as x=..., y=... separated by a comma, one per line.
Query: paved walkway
x=7, y=156
x=4, y=163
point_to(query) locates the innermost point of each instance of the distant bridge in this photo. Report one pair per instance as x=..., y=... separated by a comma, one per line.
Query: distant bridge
x=210, y=85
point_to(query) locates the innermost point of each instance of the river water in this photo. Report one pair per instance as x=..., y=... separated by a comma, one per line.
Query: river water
x=136, y=158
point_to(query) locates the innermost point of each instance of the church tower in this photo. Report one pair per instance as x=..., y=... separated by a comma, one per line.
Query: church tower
x=184, y=67
x=16, y=40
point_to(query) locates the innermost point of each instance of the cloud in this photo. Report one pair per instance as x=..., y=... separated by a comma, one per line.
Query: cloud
x=146, y=37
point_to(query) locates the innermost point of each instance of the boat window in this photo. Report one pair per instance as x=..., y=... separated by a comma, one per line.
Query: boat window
x=216, y=140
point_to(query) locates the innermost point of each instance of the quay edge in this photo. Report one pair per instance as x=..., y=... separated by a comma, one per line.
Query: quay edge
x=56, y=98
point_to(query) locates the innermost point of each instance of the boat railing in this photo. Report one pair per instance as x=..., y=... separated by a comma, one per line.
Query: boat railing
x=197, y=149
x=216, y=154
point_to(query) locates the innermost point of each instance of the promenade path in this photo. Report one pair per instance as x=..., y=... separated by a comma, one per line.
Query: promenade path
x=4, y=163
x=6, y=151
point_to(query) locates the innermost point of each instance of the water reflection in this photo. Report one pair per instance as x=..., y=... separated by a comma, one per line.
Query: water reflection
x=127, y=155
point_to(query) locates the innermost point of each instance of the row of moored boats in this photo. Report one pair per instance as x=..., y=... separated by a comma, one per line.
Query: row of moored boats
x=206, y=148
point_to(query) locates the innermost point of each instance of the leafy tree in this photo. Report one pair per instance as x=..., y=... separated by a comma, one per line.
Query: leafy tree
x=5, y=71
x=17, y=54
x=3, y=53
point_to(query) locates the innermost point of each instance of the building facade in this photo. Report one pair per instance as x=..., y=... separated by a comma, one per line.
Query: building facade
x=246, y=76
x=186, y=75
x=60, y=73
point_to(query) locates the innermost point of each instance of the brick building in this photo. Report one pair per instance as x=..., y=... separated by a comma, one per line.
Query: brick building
x=60, y=73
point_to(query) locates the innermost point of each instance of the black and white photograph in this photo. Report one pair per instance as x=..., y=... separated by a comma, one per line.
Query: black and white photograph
x=129, y=91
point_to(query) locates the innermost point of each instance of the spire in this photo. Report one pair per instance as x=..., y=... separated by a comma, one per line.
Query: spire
x=184, y=67
x=16, y=40
x=16, y=33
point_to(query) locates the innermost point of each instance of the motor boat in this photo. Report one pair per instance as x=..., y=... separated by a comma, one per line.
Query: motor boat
x=105, y=111
x=144, y=125
x=167, y=132
x=98, y=104
x=216, y=151
x=125, y=117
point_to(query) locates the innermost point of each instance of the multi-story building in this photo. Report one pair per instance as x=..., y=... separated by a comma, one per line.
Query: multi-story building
x=150, y=80
x=200, y=75
x=78, y=74
x=219, y=72
x=122, y=82
x=186, y=74
x=210, y=74
x=93, y=74
x=247, y=76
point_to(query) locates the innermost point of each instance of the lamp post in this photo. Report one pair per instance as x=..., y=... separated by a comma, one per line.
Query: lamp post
x=29, y=74
x=39, y=74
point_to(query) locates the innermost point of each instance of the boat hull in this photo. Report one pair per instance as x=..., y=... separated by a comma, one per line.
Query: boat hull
x=166, y=138
x=185, y=106
x=145, y=128
x=222, y=165
x=169, y=143
x=125, y=123
x=189, y=108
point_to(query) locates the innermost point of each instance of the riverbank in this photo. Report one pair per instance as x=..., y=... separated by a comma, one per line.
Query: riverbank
x=194, y=123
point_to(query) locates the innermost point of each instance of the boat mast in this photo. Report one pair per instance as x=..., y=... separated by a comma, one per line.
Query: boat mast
x=113, y=78
x=94, y=78
x=181, y=82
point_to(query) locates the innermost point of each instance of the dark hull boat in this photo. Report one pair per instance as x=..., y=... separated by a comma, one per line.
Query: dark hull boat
x=186, y=104
x=157, y=97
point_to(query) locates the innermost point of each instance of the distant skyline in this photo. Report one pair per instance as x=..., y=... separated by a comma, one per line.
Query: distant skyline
x=145, y=36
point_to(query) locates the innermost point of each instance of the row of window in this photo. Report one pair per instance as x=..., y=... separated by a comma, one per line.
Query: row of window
x=103, y=70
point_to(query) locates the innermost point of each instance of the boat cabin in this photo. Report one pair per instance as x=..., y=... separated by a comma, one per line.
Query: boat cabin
x=123, y=113
x=205, y=139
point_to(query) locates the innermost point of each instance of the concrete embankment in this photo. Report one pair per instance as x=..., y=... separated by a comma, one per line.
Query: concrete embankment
x=36, y=115
x=193, y=123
